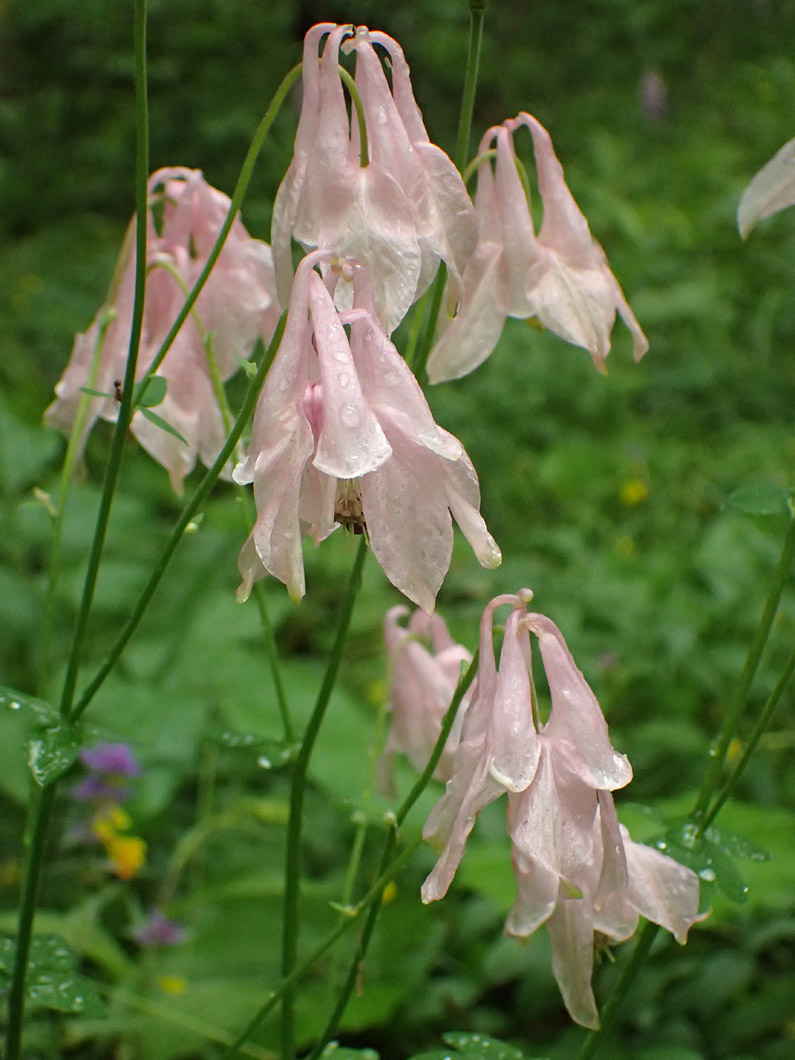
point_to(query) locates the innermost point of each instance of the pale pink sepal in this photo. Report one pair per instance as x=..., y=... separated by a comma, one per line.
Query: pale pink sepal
x=771, y=190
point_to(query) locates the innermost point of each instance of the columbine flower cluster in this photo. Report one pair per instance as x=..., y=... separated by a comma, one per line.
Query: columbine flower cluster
x=104, y=788
x=237, y=305
x=576, y=868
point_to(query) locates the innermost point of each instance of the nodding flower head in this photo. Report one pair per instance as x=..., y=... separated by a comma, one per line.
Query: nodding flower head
x=343, y=435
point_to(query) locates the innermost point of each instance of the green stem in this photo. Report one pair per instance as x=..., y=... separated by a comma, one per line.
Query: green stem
x=237, y=198
x=302, y=967
x=756, y=735
x=40, y=815
x=477, y=15
x=356, y=99
x=73, y=448
x=732, y=715
x=43, y=804
x=406, y=806
x=126, y=407
x=184, y=520
x=293, y=855
x=477, y=11
x=646, y=937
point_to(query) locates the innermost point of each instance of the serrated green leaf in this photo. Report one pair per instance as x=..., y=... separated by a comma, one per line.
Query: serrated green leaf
x=761, y=499
x=481, y=1045
x=161, y=423
x=154, y=393
x=54, y=752
x=40, y=710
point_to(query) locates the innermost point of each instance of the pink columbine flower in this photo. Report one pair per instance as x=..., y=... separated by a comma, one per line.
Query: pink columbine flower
x=237, y=304
x=343, y=435
x=561, y=276
x=771, y=190
x=402, y=213
x=619, y=882
x=576, y=870
x=425, y=665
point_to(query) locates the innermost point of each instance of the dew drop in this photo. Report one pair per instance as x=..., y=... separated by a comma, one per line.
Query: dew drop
x=344, y=379
x=708, y=875
x=350, y=415
x=264, y=762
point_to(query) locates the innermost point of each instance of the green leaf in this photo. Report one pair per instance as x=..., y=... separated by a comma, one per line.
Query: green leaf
x=481, y=1045
x=761, y=499
x=42, y=712
x=54, y=752
x=736, y=845
x=95, y=393
x=333, y=1051
x=154, y=393
x=52, y=978
x=272, y=753
x=161, y=423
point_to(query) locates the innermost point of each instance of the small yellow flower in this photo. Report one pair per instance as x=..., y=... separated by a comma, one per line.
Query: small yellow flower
x=633, y=493
x=127, y=854
x=389, y=893
x=174, y=985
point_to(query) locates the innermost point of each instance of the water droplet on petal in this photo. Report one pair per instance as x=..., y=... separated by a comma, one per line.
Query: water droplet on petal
x=350, y=415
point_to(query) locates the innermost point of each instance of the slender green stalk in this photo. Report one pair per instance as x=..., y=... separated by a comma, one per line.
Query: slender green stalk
x=302, y=967
x=126, y=406
x=43, y=803
x=756, y=735
x=292, y=878
x=477, y=11
x=237, y=198
x=182, y=523
x=646, y=937
x=40, y=815
x=732, y=715
x=67, y=471
x=405, y=807
x=358, y=106
x=477, y=15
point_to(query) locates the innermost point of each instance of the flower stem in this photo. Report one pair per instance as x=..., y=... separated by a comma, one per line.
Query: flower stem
x=41, y=809
x=302, y=967
x=182, y=523
x=646, y=937
x=293, y=856
x=477, y=15
x=756, y=735
x=405, y=807
x=477, y=12
x=732, y=715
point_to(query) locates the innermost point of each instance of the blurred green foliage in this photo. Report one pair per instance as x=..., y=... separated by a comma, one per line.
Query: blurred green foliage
x=607, y=495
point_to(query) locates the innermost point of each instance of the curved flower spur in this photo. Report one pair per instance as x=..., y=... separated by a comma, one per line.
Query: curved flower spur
x=561, y=276
x=401, y=210
x=343, y=435
x=576, y=869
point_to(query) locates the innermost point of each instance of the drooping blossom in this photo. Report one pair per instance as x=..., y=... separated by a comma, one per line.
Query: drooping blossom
x=425, y=666
x=400, y=214
x=343, y=435
x=237, y=304
x=560, y=276
x=771, y=190
x=576, y=869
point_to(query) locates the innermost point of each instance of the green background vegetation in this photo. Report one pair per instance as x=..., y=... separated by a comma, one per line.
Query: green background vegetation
x=658, y=598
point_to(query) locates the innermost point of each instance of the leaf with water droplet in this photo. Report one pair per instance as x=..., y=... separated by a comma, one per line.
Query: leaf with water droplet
x=334, y=1051
x=736, y=845
x=761, y=499
x=727, y=875
x=482, y=1046
x=271, y=753
x=52, y=753
x=39, y=710
x=52, y=978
